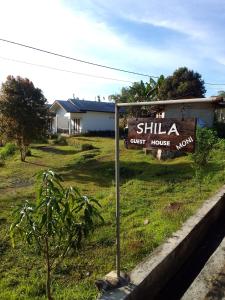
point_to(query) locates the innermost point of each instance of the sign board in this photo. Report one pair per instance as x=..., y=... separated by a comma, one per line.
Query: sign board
x=166, y=134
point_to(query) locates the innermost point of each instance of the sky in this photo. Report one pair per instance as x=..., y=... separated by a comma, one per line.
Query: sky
x=149, y=36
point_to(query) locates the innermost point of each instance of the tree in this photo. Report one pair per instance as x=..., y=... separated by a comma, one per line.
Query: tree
x=221, y=93
x=57, y=223
x=23, y=112
x=140, y=92
x=182, y=84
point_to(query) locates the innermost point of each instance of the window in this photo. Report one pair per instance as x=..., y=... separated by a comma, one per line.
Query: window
x=76, y=125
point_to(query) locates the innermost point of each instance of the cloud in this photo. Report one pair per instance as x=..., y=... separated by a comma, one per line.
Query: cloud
x=86, y=30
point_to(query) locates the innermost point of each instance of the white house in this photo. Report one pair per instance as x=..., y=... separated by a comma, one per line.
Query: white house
x=75, y=116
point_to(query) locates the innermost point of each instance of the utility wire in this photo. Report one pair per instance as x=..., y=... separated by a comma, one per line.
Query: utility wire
x=76, y=59
x=214, y=85
x=209, y=83
x=63, y=70
x=86, y=62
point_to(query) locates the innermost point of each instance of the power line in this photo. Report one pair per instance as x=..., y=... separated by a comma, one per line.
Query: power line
x=214, y=85
x=63, y=70
x=209, y=83
x=85, y=62
x=77, y=59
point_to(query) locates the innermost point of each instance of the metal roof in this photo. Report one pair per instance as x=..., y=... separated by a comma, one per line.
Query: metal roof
x=67, y=105
x=79, y=106
x=212, y=100
x=84, y=105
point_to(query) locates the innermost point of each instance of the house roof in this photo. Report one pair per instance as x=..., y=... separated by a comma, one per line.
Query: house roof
x=78, y=106
x=85, y=105
x=67, y=105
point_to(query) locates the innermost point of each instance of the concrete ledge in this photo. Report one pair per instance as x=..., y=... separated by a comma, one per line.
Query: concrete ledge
x=151, y=275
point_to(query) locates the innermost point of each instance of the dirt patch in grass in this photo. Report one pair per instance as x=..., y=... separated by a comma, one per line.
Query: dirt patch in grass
x=174, y=207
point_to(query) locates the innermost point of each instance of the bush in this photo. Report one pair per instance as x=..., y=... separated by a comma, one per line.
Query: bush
x=28, y=153
x=74, y=142
x=220, y=129
x=53, y=136
x=61, y=140
x=206, y=140
x=8, y=150
x=86, y=147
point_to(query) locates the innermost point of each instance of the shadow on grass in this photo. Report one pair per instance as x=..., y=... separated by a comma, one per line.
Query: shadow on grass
x=54, y=150
x=102, y=173
x=38, y=164
x=36, y=156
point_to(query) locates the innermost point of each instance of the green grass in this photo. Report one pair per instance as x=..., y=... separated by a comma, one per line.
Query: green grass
x=156, y=198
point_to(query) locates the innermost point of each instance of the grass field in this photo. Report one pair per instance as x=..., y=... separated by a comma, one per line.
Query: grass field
x=156, y=198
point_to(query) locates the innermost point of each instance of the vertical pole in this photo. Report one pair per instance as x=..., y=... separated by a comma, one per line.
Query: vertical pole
x=70, y=125
x=56, y=124
x=117, y=189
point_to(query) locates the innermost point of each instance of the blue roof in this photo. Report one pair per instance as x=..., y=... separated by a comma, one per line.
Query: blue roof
x=74, y=105
x=85, y=105
x=68, y=106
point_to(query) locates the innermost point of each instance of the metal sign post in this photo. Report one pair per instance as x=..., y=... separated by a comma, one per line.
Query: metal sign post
x=117, y=184
x=181, y=144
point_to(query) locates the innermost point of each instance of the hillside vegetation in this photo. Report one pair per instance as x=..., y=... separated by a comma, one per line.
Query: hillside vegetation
x=156, y=198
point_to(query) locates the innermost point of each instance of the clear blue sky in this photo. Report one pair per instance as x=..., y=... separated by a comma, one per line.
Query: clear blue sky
x=148, y=36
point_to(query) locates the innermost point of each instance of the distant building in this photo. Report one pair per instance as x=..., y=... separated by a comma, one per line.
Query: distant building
x=75, y=116
x=201, y=109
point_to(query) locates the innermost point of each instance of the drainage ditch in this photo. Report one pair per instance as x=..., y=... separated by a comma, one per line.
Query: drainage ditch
x=177, y=285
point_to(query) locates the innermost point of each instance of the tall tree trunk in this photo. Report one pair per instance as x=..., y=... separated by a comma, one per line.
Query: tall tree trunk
x=48, y=277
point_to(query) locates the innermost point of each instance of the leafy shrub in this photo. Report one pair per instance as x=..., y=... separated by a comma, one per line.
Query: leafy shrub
x=53, y=136
x=56, y=224
x=206, y=140
x=74, y=142
x=28, y=153
x=8, y=150
x=61, y=140
x=86, y=147
x=220, y=129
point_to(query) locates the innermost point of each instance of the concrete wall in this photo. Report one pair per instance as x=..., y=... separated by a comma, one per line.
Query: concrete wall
x=61, y=121
x=89, y=121
x=202, y=111
x=94, y=121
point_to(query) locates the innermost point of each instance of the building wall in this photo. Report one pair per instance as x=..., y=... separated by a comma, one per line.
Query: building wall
x=89, y=121
x=94, y=121
x=202, y=111
x=61, y=121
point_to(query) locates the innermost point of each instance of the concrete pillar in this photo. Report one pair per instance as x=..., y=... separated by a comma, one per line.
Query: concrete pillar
x=70, y=131
x=56, y=124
